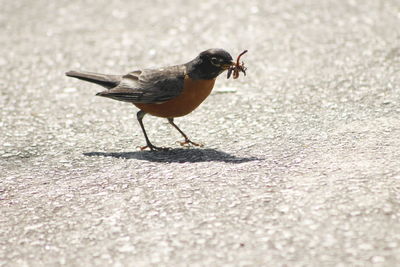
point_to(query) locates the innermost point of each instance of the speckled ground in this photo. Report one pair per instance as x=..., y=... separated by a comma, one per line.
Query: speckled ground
x=301, y=159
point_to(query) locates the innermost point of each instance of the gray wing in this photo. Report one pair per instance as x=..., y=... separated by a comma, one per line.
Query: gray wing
x=148, y=86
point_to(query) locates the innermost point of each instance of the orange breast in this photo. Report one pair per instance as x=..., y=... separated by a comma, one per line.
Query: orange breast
x=193, y=94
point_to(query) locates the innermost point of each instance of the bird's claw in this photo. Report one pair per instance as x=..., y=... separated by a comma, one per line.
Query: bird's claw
x=154, y=148
x=188, y=143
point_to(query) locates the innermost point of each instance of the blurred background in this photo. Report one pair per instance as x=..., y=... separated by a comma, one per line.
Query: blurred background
x=300, y=165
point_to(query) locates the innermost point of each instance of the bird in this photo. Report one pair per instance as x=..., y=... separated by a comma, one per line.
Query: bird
x=167, y=92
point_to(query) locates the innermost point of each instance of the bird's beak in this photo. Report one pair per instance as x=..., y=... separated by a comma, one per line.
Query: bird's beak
x=227, y=66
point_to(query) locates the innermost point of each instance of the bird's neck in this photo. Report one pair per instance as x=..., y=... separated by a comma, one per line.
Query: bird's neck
x=198, y=69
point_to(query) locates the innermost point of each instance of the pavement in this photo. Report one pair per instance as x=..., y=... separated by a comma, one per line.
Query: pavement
x=301, y=159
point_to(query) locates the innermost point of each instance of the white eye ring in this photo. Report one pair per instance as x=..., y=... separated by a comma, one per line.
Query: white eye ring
x=215, y=61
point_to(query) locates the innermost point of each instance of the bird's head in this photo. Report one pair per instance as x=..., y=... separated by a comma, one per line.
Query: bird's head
x=209, y=64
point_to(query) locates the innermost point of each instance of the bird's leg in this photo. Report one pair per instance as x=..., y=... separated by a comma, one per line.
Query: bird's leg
x=187, y=140
x=149, y=145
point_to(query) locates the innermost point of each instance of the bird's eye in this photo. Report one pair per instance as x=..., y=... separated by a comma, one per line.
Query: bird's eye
x=214, y=61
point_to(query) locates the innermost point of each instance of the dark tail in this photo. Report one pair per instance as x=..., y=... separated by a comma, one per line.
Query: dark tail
x=107, y=81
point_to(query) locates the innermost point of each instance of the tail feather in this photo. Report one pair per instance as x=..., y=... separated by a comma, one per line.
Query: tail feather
x=107, y=81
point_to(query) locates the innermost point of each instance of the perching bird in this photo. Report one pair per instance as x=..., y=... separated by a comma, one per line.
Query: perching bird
x=167, y=92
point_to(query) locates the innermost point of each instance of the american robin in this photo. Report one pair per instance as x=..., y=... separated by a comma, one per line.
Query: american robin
x=167, y=92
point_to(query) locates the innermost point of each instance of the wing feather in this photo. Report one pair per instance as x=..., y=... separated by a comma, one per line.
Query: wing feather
x=148, y=86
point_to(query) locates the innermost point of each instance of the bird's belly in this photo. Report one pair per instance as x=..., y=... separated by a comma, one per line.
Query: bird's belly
x=193, y=94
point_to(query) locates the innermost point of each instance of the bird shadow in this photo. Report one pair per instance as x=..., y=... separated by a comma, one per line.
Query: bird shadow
x=177, y=155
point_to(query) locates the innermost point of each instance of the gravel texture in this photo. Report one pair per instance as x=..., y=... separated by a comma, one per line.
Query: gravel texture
x=301, y=159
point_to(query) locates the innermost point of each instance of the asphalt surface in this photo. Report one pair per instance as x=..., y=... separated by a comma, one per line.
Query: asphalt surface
x=301, y=159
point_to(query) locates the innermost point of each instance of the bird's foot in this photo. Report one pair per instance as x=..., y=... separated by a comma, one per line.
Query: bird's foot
x=154, y=148
x=188, y=143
